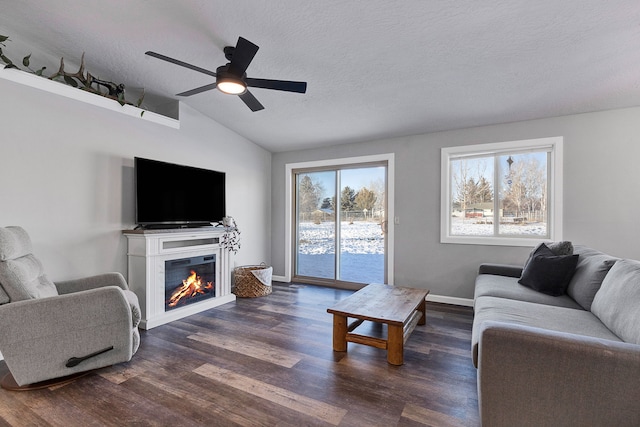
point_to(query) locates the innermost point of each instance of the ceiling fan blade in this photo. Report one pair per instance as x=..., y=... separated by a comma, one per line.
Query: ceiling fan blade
x=242, y=56
x=251, y=101
x=287, y=86
x=180, y=63
x=198, y=90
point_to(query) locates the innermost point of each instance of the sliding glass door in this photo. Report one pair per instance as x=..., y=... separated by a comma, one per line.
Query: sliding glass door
x=316, y=225
x=340, y=224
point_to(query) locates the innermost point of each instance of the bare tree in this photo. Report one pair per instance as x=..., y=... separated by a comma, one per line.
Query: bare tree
x=525, y=186
x=365, y=199
x=460, y=174
x=378, y=188
x=309, y=194
x=485, y=190
x=470, y=182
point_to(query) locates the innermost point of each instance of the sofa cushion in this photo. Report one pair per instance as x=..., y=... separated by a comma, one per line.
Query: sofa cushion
x=508, y=287
x=560, y=319
x=617, y=303
x=548, y=273
x=591, y=270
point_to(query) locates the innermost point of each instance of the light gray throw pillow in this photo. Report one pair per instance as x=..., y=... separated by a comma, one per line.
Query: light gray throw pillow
x=617, y=303
x=591, y=270
x=14, y=243
x=21, y=274
x=24, y=278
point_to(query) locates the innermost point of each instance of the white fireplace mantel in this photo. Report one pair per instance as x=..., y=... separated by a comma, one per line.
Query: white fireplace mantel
x=148, y=250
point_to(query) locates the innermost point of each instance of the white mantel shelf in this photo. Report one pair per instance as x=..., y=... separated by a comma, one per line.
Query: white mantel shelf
x=42, y=83
x=148, y=250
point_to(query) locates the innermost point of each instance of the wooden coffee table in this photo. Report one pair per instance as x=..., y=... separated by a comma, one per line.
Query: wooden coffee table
x=401, y=309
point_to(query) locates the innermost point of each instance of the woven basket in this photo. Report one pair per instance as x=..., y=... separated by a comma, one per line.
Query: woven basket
x=252, y=281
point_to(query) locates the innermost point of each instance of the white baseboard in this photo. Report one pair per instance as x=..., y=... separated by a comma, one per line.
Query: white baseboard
x=465, y=302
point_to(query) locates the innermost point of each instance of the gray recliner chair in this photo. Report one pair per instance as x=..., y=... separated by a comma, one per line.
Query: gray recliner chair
x=50, y=331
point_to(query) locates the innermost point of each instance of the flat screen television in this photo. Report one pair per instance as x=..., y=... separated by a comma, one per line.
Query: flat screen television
x=171, y=195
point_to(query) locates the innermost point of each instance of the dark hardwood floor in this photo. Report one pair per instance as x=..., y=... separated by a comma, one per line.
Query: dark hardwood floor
x=269, y=361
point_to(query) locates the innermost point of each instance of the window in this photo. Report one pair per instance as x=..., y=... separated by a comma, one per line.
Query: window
x=507, y=193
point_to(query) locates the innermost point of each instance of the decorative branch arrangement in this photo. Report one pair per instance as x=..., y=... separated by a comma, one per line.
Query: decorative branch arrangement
x=81, y=79
x=231, y=238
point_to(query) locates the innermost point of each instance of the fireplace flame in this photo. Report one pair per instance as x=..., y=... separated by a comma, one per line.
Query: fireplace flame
x=191, y=286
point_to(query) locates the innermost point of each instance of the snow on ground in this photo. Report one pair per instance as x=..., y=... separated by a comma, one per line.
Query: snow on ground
x=469, y=227
x=362, y=251
x=362, y=245
x=359, y=237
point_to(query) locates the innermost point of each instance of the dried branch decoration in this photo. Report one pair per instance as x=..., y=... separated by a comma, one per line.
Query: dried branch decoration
x=81, y=79
x=230, y=240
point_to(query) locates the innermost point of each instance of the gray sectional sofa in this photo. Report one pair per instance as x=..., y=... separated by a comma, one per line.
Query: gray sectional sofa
x=567, y=360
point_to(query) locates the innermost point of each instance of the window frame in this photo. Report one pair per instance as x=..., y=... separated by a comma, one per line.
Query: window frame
x=554, y=145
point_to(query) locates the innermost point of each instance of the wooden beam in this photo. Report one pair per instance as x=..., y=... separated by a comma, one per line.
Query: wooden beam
x=411, y=324
x=354, y=324
x=371, y=341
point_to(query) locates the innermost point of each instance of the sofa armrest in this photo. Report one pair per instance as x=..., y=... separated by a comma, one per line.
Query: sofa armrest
x=39, y=336
x=91, y=282
x=500, y=270
x=531, y=377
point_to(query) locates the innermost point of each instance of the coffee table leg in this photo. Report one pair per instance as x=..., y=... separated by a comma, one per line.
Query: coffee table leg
x=422, y=308
x=339, y=333
x=395, y=345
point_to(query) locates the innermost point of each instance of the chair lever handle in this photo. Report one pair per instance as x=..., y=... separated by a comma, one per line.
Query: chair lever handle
x=75, y=361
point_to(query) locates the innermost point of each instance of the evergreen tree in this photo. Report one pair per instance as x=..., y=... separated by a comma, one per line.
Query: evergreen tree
x=347, y=198
x=327, y=203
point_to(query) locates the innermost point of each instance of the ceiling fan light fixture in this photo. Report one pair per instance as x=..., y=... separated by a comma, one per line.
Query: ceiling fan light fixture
x=232, y=79
x=231, y=85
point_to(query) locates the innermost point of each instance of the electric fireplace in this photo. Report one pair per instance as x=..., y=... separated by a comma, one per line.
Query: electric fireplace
x=178, y=272
x=189, y=280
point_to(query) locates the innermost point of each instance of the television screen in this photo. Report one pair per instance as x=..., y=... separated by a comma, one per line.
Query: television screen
x=176, y=195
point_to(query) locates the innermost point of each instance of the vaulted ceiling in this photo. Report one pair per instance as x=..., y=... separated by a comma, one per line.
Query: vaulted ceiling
x=375, y=69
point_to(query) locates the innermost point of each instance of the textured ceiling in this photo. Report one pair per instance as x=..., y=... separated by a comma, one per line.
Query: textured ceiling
x=375, y=69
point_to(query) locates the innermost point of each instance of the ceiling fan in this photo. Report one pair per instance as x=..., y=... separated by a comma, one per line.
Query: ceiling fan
x=232, y=78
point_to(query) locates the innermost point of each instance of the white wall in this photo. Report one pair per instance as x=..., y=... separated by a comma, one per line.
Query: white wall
x=601, y=202
x=66, y=176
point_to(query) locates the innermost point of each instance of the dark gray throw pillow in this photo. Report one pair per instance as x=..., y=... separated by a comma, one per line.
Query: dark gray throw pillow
x=564, y=247
x=548, y=273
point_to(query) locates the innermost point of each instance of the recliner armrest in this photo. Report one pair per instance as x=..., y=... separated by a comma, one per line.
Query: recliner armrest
x=500, y=270
x=530, y=376
x=91, y=282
